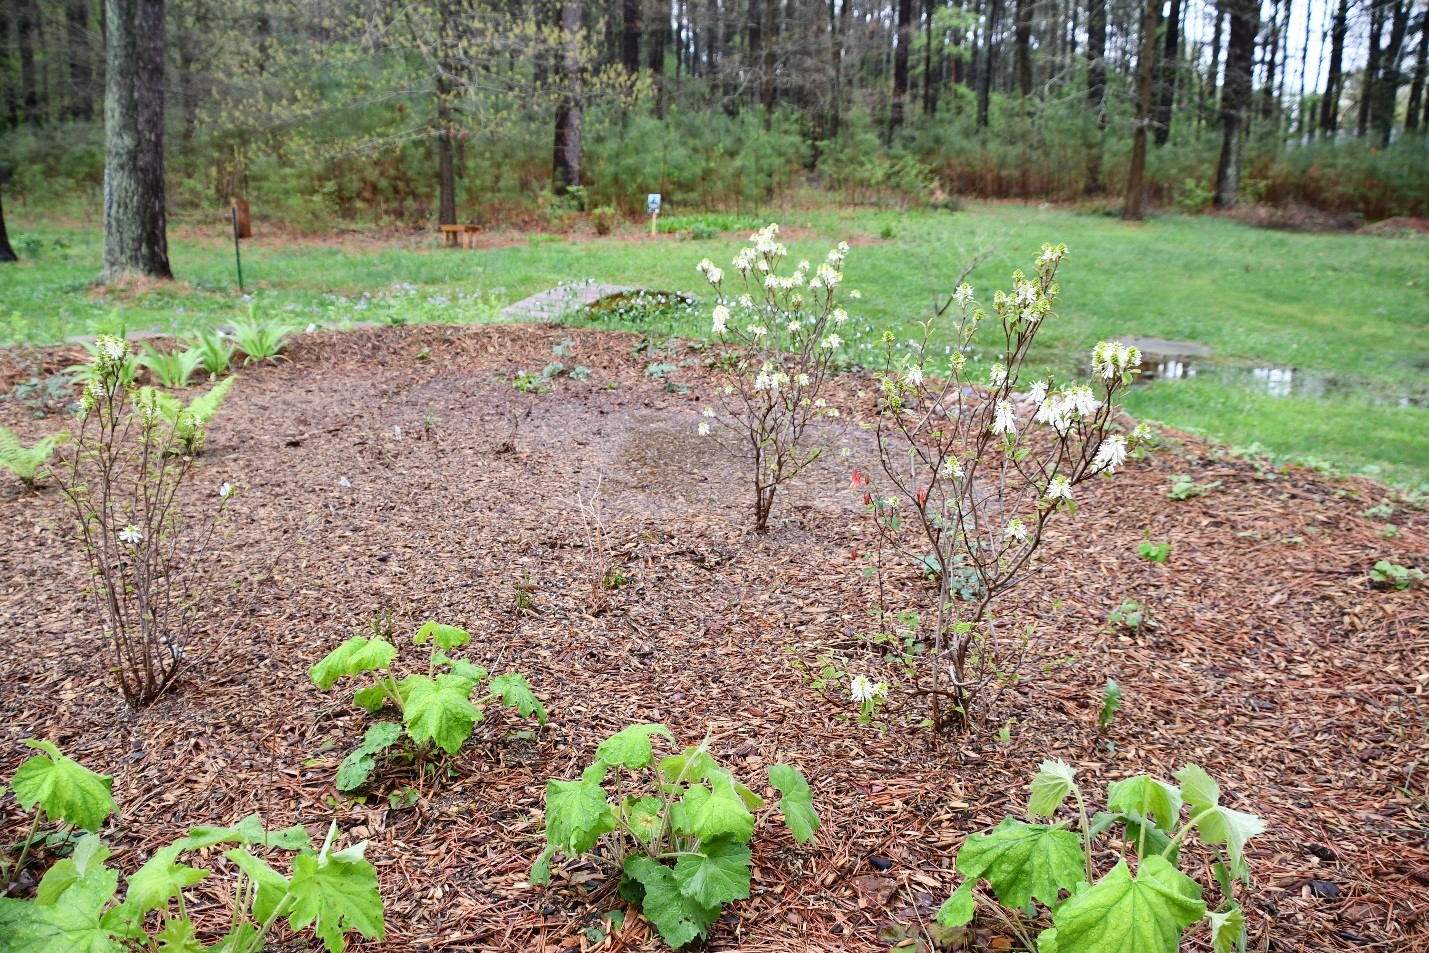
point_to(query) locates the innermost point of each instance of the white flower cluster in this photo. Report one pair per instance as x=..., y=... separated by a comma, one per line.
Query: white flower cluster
x=1059, y=488
x=964, y=294
x=131, y=535
x=1052, y=254
x=721, y=319
x=1059, y=410
x=1111, y=454
x=863, y=689
x=1112, y=358
x=712, y=274
x=770, y=378
x=1004, y=419
x=1016, y=531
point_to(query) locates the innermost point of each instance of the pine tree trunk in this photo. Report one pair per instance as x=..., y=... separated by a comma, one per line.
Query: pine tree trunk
x=659, y=41
x=26, y=16
x=1135, y=190
x=1166, y=88
x=1022, y=47
x=566, y=161
x=81, y=61
x=984, y=85
x=1330, y=103
x=135, y=227
x=1213, y=77
x=903, y=40
x=1386, y=87
x=446, y=164
x=1096, y=90
x=6, y=252
x=1235, y=96
x=1421, y=74
x=630, y=35
x=1371, y=70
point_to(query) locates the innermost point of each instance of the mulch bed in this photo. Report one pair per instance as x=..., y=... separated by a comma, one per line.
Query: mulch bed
x=1276, y=667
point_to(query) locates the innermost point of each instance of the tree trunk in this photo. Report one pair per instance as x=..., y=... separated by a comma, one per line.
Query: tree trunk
x=1214, y=75
x=1330, y=104
x=1022, y=47
x=135, y=228
x=1272, y=48
x=984, y=85
x=766, y=64
x=6, y=252
x=1096, y=89
x=26, y=16
x=1135, y=191
x=835, y=70
x=659, y=40
x=929, y=100
x=1421, y=74
x=446, y=164
x=1170, y=67
x=1371, y=70
x=903, y=40
x=630, y=36
x=81, y=61
x=1235, y=96
x=566, y=162
x=1386, y=87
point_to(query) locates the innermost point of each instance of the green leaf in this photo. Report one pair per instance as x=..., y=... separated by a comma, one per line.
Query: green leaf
x=380, y=736
x=1047, y=941
x=354, y=771
x=64, y=789
x=336, y=894
x=797, y=803
x=1217, y=824
x=1118, y=913
x=692, y=764
x=957, y=910
x=1054, y=781
x=1157, y=840
x=72, y=924
x=370, y=699
x=1148, y=798
x=272, y=886
x=88, y=854
x=461, y=667
x=576, y=815
x=541, y=869
x=717, y=874
x=357, y=655
x=250, y=830
x=439, y=710
x=678, y=918
x=642, y=816
x=1228, y=929
x=707, y=813
x=177, y=936
x=515, y=692
x=631, y=747
x=1024, y=862
x=161, y=879
x=447, y=637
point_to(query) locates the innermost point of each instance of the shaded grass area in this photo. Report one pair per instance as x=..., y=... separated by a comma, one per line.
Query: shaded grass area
x=1352, y=306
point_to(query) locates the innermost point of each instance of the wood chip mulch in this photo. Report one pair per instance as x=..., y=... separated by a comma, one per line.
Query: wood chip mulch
x=1276, y=666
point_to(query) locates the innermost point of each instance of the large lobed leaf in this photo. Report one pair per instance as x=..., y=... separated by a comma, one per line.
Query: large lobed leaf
x=1053, y=782
x=65, y=790
x=515, y=693
x=1024, y=862
x=678, y=918
x=631, y=747
x=1147, y=797
x=250, y=830
x=707, y=813
x=1217, y=824
x=797, y=803
x=357, y=655
x=1119, y=914
x=438, y=710
x=161, y=879
x=576, y=814
x=73, y=923
x=446, y=637
x=717, y=874
x=335, y=894
x=355, y=768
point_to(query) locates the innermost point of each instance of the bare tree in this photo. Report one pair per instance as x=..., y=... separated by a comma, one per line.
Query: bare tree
x=7, y=253
x=1135, y=190
x=1235, y=97
x=566, y=162
x=1330, y=102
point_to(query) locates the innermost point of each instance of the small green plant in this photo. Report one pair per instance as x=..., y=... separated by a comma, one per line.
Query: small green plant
x=44, y=394
x=1194, y=198
x=604, y=218
x=189, y=421
x=1390, y=531
x=170, y=369
x=215, y=352
x=1132, y=615
x=258, y=340
x=1153, y=552
x=1382, y=510
x=868, y=695
x=1111, y=704
x=1032, y=867
x=437, y=710
x=27, y=463
x=678, y=831
x=60, y=792
x=1184, y=488
x=1388, y=575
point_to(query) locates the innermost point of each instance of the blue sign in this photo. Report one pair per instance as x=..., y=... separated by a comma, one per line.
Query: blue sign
x=652, y=203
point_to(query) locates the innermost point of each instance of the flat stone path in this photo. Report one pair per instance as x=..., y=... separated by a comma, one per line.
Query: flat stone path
x=552, y=303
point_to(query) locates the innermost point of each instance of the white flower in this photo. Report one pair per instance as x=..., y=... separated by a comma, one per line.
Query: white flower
x=1004, y=420
x=840, y=316
x=746, y=301
x=855, y=294
x=914, y=376
x=1059, y=489
x=997, y=375
x=1016, y=530
x=1082, y=400
x=112, y=348
x=1111, y=358
x=225, y=491
x=1111, y=454
x=704, y=429
x=863, y=690
x=803, y=381
x=831, y=342
x=1055, y=413
x=793, y=327
x=1037, y=393
x=131, y=535
x=757, y=330
x=708, y=412
x=964, y=294
x=953, y=468
x=721, y=319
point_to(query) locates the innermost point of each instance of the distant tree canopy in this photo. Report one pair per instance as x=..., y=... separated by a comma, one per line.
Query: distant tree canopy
x=492, y=109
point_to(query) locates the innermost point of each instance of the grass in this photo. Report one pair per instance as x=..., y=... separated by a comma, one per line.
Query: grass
x=1351, y=307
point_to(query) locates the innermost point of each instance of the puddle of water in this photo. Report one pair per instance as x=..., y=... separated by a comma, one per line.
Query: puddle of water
x=1272, y=381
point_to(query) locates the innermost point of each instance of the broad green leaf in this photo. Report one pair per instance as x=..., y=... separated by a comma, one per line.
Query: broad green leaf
x=250, y=830
x=88, y=854
x=1148, y=798
x=642, y=816
x=439, y=710
x=1157, y=840
x=717, y=875
x=631, y=746
x=1217, y=824
x=576, y=815
x=357, y=655
x=461, y=667
x=957, y=910
x=515, y=692
x=370, y=699
x=1228, y=929
x=1024, y=862
x=1118, y=914
x=678, y=918
x=541, y=869
x=797, y=803
x=161, y=879
x=354, y=771
x=707, y=813
x=380, y=737
x=335, y=895
x=1050, y=788
x=177, y=936
x=692, y=764
x=64, y=789
x=1047, y=941
x=72, y=924
x=272, y=886
x=447, y=637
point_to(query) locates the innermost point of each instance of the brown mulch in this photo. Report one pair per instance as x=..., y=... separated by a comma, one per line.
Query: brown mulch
x=1276, y=667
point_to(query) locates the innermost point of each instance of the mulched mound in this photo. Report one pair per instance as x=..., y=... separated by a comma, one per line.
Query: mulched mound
x=1275, y=667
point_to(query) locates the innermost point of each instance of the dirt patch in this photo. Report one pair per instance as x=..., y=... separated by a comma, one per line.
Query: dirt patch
x=1400, y=227
x=1277, y=668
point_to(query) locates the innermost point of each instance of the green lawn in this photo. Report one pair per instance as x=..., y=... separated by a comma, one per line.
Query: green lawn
x=1353, y=308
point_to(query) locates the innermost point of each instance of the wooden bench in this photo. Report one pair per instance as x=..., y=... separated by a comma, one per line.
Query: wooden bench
x=463, y=235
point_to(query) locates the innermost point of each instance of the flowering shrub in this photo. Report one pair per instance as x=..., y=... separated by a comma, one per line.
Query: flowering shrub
x=678, y=830
x=77, y=904
x=1030, y=864
x=437, y=711
x=975, y=482
x=121, y=474
x=781, y=343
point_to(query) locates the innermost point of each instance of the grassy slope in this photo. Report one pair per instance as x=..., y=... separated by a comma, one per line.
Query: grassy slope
x=1355, y=306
